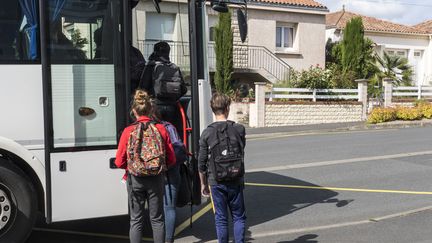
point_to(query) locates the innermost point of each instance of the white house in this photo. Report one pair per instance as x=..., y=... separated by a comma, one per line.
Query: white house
x=411, y=42
x=281, y=34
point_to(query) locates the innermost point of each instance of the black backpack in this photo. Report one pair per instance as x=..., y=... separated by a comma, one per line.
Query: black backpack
x=168, y=83
x=227, y=153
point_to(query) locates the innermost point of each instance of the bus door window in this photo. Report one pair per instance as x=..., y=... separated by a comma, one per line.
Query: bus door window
x=84, y=39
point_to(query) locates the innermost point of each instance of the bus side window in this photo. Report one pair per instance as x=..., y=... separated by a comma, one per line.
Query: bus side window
x=18, y=31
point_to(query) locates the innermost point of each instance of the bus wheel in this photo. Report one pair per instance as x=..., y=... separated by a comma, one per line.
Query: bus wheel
x=18, y=204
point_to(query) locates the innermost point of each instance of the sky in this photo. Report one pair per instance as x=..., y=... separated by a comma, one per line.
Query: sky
x=408, y=12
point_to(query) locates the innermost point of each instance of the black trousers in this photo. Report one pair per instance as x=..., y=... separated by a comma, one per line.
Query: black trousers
x=171, y=113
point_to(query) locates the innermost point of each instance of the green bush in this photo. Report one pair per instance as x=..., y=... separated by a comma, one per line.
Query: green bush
x=313, y=78
x=408, y=113
x=379, y=115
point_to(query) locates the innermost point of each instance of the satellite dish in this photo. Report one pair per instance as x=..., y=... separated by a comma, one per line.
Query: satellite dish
x=242, y=23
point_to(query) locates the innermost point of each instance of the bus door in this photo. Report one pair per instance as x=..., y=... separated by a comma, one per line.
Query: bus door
x=85, y=43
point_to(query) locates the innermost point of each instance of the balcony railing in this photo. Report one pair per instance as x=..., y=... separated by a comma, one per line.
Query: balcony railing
x=245, y=57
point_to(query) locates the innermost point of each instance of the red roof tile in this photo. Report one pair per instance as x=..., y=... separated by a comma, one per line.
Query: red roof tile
x=340, y=19
x=425, y=26
x=297, y=3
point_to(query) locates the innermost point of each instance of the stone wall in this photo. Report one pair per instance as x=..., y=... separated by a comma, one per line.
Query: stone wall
x=239, y=112
x=280, y=114
x=240, y=49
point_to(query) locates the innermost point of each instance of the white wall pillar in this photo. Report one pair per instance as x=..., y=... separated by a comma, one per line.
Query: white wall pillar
x=362, y=85
x=257, y=110
x=388, y=91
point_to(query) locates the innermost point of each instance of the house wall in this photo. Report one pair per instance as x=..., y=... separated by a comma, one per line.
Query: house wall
x=410, y=43
x=309, y=47
x=181, y=27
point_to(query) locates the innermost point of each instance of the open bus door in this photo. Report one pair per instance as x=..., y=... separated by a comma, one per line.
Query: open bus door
x=84, y=50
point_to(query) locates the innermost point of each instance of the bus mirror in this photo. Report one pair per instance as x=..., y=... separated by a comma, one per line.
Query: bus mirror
x=133, y=3
x=219, y=6
x=242, y=22
x=157, y=7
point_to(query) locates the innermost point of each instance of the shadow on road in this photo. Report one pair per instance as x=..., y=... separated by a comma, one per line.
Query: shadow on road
x=264, y=204
x=309, y=238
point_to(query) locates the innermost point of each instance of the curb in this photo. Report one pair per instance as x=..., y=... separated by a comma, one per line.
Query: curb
x=387, y=125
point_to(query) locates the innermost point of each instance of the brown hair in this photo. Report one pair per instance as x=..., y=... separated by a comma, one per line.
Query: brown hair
x=142, y=103
x=220, y=103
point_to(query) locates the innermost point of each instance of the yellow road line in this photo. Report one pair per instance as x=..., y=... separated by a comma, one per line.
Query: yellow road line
x=340, y=189
x=196, y=216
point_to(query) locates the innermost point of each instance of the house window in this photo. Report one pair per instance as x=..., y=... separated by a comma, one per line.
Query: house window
x=212, y=33
x=417, y=54
x=160, y=26
x=401, y=53
x=397, y=52
x=285, y=36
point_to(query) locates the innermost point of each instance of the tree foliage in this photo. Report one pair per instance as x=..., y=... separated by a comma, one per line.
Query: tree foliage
x=396, y=68
x=224, y=53
x=353, y=46
x=77, y=40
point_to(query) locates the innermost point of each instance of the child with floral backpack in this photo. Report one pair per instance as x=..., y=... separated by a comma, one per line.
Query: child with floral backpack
x=145, y=151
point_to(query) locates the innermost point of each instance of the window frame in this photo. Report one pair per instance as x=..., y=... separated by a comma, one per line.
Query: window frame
x=283, y=27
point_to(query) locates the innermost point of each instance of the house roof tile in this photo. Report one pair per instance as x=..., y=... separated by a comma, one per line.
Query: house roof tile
x=340, y=19
x=425, y=26
x=296, y=3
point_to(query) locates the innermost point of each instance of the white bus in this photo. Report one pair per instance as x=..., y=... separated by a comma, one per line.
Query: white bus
x=64, y=99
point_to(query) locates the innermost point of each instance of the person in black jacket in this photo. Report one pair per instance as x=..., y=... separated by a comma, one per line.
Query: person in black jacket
x=167, y=107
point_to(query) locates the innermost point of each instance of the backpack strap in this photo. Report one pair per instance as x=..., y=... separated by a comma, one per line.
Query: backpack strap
x=236, y=133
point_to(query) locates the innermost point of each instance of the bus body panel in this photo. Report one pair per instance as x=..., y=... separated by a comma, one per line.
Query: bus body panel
x=88, y=188
x=32, y=158
x=22, y=104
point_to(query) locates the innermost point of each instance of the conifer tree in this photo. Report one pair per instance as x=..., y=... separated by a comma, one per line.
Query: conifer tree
x=224, y=53
x=352, y=47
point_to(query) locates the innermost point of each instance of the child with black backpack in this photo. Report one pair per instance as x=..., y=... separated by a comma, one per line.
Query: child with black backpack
x=221, y=169
x=145, y=151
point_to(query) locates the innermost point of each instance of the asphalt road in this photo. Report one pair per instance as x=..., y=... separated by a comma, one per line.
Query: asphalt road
x=359, y=186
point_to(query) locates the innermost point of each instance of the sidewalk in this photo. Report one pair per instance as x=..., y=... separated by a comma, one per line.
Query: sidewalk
x=332, y=127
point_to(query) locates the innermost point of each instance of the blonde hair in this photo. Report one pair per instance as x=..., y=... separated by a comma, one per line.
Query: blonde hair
x=142, y=103
x=220, y=103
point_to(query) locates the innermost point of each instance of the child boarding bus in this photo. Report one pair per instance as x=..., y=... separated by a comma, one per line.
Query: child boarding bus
x=64, y=102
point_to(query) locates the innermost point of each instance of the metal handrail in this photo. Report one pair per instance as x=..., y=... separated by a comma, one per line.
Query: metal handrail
x=258, y=57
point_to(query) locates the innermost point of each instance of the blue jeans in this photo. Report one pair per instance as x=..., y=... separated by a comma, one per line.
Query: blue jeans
x=230, y=197
x=170, y=199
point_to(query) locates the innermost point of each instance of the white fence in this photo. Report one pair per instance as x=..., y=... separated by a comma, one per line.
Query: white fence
x=419, y=92
x=313, y=94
